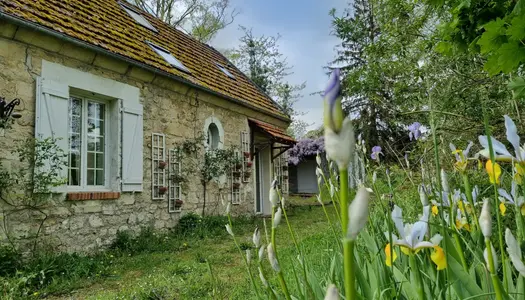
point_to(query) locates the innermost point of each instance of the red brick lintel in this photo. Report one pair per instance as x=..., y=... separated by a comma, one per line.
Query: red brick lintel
x=93, y=196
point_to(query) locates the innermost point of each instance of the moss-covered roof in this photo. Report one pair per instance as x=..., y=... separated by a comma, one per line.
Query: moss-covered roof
x=105, y=24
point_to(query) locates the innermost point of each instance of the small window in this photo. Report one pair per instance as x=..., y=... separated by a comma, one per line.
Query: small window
x=138, y=17
x=213, y=137
x=87, y=163
x=225, y=71
x=169, y=58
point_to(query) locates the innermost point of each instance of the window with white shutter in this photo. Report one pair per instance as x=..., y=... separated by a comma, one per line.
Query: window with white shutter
x=98, y=123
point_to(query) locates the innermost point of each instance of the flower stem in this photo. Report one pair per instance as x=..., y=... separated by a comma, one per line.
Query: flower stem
x=348, y=246
x=468, y=193
x=493, y=274
x=496, y=200
x=416, y=277
x=245, y=261
x=299, y=251
x=433, y=127
x=280, y=276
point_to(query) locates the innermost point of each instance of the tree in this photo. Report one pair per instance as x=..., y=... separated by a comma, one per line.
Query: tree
x=204, y=18
x=260, y=59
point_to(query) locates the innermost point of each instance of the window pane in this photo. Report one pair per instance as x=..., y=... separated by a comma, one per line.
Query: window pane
x=91, y=177
x=75, y=141
x=99, y=177
x=100, y=161
x=91, y=160
x=74, y=177
x=96, y=143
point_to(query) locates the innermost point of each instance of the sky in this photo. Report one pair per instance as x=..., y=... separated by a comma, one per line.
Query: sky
x=304, y=26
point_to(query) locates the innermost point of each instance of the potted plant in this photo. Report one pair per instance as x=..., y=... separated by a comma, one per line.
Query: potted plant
x=236, y=185
x=236, y=174
x=178, y=202
x=249, y=164
x=238, y=165
x=162, y=190
x=247, y=175
x=247, y=154
x=162, y=165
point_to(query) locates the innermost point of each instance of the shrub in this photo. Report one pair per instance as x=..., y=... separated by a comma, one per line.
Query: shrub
x=10, y=261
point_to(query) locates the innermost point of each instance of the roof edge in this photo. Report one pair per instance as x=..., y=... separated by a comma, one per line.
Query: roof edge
x=45, y=30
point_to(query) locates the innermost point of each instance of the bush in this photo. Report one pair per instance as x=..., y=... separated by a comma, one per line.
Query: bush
x=10, y=261
x=145, y=242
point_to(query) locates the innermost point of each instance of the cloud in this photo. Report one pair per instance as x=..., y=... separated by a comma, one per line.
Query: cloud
x=306, y=42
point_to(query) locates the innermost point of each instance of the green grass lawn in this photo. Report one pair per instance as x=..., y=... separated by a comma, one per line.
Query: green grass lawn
x=183, y=273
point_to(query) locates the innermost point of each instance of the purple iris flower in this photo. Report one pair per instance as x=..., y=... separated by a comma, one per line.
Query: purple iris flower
x=332, y=92
x=376, y=150
x=415, y=131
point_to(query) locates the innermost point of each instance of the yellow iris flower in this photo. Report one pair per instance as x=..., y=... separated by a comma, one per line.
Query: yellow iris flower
x=435, y=210
x=439, y=258
x=494, y=171
x=502, y=208
x=390, y=259
x=520, y=172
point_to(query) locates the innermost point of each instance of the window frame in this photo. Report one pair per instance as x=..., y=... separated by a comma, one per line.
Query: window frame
x=83, y=187
x=145, y=24
x=163, y=53
x=225, y=71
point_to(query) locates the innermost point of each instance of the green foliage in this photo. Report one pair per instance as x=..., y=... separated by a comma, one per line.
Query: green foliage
x=10, y=261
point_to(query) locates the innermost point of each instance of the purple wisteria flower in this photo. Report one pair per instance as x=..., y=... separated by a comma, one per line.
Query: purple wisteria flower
x=415, y=131
x=376, y=150
x=305, y=148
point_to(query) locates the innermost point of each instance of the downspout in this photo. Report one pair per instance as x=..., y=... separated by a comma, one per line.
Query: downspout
x=64, y=37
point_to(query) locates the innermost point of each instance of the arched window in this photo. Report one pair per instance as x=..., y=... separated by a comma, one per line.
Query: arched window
x=214, y=134
x=213, y=137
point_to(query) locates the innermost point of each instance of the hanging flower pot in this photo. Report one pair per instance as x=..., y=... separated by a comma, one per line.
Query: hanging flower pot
x=247, y=154
x=249, y=164
x=247, y=175
x=236, y=185
x=178, y=202
x=162, y=165
x=162, y=190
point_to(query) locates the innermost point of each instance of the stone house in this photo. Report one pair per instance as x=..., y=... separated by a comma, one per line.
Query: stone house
x=120, y=88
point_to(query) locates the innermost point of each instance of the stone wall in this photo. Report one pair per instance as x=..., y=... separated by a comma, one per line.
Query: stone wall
x=171, y=108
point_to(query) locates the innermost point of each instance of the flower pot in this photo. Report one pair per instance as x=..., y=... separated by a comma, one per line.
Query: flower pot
x=162, y=165
x=236, y=174
x=236, y=185
x=247, y=175
x=162, y=190
x=249, y=164
x=177, y=178
x=178, y=202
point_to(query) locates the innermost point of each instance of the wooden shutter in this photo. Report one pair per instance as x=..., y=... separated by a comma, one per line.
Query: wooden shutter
x=51, y=116
x=132, y=146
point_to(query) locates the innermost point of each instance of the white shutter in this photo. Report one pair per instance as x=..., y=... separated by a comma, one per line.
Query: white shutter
x=132, y=144
x=52, y=111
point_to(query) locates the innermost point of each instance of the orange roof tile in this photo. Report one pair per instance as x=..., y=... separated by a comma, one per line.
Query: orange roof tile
x=275, y=132
x=104, y=24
